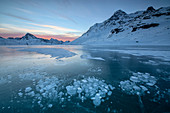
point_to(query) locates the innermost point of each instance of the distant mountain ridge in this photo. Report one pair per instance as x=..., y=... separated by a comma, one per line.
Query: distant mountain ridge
x=29, y=39
x=149, y=27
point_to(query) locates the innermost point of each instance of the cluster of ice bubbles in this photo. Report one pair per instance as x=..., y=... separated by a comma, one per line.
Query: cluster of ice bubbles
x=138, y=83
x=5, y=79
x=32, y=75
x=92, y=88
x=143, y=83
x=51, y=88
x=46, y=88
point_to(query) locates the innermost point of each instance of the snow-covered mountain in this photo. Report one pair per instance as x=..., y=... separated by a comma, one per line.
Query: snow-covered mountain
x=149, y=27
x=29, y=39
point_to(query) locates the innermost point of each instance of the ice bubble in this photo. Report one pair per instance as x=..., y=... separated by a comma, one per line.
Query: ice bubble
x=111, y=87
x=134, y=79
x=50, y=105
x=109, y=93
x=79, y=90
x=136, y=88
x=39, y=102
x=84, y=80
x=28, y=89
x=97, y=100
x=108, y=110
x=20, y=94
x=62, y=99
x=150, y=84
x=71, y=90
x=31, y=93
x=143, y=88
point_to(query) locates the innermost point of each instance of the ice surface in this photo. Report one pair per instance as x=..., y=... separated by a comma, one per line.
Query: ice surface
x=125, y=57
x=32, y=75
x=95, y=69
x=54, y=52
x=3, y=80
x=160, y=54
x=90, y=57
x=138, y=83
x=151, y=62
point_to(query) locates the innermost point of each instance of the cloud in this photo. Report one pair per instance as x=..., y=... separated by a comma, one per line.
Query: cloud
x=18, y=17
x=24, y=10
x=47, y=26
x=11, y=31
x=25, y=30
x=4, y=29
x=64, y=17
x=6, y=35
x=58, y=37
x=55, y=27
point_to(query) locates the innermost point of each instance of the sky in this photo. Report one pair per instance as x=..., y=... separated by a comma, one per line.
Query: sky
x=62, y=19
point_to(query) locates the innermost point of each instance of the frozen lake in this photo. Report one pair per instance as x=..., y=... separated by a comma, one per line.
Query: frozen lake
x=79, y=79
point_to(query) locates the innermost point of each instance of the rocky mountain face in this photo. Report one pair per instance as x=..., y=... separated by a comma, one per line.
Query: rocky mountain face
x=29, y=39
x=149, y=27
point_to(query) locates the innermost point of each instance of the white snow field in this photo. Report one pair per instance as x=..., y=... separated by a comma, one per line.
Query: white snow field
x=149, y=27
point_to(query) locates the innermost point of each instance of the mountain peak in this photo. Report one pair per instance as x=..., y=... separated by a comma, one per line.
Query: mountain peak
x=151, y=9
x=29, y=36
x=119, y=12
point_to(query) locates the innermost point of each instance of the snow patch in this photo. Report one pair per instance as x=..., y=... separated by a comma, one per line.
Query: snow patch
x=90, y=57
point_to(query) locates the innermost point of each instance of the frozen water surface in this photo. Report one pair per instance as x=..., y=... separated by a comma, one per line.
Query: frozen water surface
x=132, y=79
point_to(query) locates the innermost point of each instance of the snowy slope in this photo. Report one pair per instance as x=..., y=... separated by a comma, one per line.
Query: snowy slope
x=150, y=27
x=29, y=39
